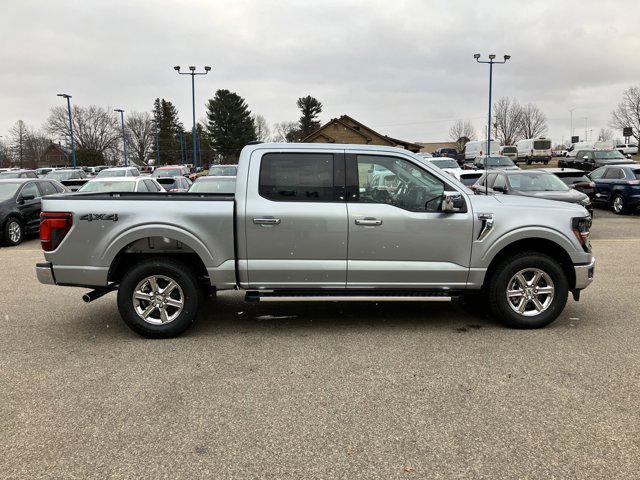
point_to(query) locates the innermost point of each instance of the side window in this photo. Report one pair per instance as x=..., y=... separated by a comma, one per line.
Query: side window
x=47, y=188
x=142, y=187
x=30, y=189
x=404, y=185
x=597, y=174
x=500, y=181
x=151, y=186
x=614, y=174
x=297, y=177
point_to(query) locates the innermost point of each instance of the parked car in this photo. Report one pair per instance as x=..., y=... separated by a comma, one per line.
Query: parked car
x=447, y=164
x=574, y=178
x=510, y=151
x=478, y=148
x=71, y=178
x=534, y=150
x=617, y=186
x=305, y=223
x=41, y=172
x=171, y=171
x=119, y=172
x=209, y=184
x=588, y=160
x=20, y=204
x=589, y=145
x=446, y=152
x=174, y=184
x=19, y=173
x=629, y=149
x=530, y=183
x=223, y=170
x=497, y=161
x=122, y=184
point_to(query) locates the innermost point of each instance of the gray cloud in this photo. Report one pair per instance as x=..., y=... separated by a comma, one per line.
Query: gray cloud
x=404, y=67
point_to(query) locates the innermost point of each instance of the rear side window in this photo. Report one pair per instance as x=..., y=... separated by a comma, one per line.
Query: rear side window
x=297, y=177
x=142, y=187
x=636, y=173
x=614, y=174
x=47, y=188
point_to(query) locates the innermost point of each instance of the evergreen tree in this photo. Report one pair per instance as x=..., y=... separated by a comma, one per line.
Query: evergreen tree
x=229, y=124
x=165, y=116
x=310, y=108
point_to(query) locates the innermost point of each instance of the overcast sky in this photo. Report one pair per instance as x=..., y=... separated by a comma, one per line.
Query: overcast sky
x=405, y=68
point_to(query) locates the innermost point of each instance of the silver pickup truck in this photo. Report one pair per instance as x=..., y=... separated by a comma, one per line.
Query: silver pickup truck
x=316, y=222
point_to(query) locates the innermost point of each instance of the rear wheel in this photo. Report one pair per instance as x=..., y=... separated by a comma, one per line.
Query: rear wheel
x=529, y=161
x=619, y=205
x=13, y=232
x=528, y=290
x=159, y=298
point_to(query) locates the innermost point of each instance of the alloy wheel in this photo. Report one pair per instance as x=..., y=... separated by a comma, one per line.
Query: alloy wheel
x=530, y=292
x=618, y=204
x=158, y=300
x=15, y=232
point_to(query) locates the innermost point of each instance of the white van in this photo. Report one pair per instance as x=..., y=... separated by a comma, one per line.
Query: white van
x=590, y=145
x=534, y=150
x=510, y=151
x=478, y=148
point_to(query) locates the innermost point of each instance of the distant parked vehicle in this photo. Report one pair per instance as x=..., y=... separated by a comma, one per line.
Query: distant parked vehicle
x=469, y=177
x=617, y=186
x=478, y=148
x=174, y=184
x=590, y=145
x=530, y=183
x=588, y=160
x=41, y=172
x=534, y=150
x=171, y=171
x=497, y=161
x=70, y=178
x=122, y=184
x=510, y=151
x=446, y=152
x=223, y=170
x=575, y=179
x=448, y=164
x=630, y=149
x=20, y=173
x=119, y=172
x=210, y=184
x=20, y=205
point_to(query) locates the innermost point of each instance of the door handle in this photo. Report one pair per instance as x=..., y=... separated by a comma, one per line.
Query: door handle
x=266, y=221
x=368, y=222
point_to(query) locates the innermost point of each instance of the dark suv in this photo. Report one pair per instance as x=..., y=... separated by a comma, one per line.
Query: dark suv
x=617, y=186
x=588, y=160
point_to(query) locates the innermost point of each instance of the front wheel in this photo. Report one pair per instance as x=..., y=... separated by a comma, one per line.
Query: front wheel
x=528, y=290
x=159, y=298
x=13, y=232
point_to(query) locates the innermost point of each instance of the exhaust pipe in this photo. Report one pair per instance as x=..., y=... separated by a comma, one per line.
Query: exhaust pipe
x=97, y=293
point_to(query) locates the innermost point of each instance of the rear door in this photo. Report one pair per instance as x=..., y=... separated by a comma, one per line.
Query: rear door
x=398, y=237
x=605, y=187
x=296, y=220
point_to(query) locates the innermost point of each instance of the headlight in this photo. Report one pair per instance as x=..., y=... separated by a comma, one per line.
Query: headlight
x=585, y=201
x=581, y=227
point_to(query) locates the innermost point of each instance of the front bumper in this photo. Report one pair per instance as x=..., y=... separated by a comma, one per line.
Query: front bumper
x=44, y=272
x=584, y=274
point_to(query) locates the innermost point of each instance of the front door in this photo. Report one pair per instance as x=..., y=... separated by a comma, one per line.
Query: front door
x=30, y=208
x=398, y=236
x=296, y=220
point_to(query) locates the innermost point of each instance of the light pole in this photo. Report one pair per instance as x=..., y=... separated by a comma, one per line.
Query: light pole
x=157, y=145
x=491, y=62
x=586, y=138
x=73, y=145
x=124, y=140
x=1, y=153
x=571, y=112
x=193, y=73
x=182, y=154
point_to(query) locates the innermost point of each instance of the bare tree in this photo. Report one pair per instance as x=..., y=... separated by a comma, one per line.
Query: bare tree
x=627, y=113
x=263, y=132
x=19, y=133
x=605, y=134
x=461, y=132
x=35, y=145
x=140, y=133
x=284, y=131
x=533, y=122
x=94, y=128
x=508, y=120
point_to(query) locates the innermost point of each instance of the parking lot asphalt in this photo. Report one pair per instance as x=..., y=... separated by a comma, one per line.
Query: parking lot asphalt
x=323, y=390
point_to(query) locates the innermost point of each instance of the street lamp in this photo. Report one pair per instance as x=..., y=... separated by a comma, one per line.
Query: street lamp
x=571, y=112
x=157, y=144
x=491, y=62
x=73, y=145
x=124, y=140
x=193, y=73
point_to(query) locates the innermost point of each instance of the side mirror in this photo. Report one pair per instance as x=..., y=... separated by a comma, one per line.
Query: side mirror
x=452, y=202
x=25, y=198
x=500, y=188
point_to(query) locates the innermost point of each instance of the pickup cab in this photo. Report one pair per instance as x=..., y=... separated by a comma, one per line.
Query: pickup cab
x=308, y=222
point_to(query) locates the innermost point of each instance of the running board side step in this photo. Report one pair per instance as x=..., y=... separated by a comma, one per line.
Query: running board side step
x=348, y=296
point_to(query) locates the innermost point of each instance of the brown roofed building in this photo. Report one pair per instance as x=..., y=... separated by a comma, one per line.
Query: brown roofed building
x=348, y=130
x=54, y=156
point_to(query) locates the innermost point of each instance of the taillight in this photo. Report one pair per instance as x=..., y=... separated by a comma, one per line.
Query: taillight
x=54, y=226
x=634, y=182
x=585, y=185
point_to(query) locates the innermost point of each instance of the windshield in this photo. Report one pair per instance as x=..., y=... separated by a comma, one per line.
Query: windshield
x=107, y=186
x=8, y=190
x=445, y=163
x=223, y=170
x=608, y=155
x=167, y=172
x=541, y=144
x=61, y=174
x=111, y=173
x=537, y=182
x=499, y=162
x=509, y=150
x=219, y=185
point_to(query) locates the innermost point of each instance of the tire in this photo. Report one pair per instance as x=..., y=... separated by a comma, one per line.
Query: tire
x=561, y=164
x=180, y=305
x=13, y=232
x=546, y=162
x=619, y=205
x=529, y=264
